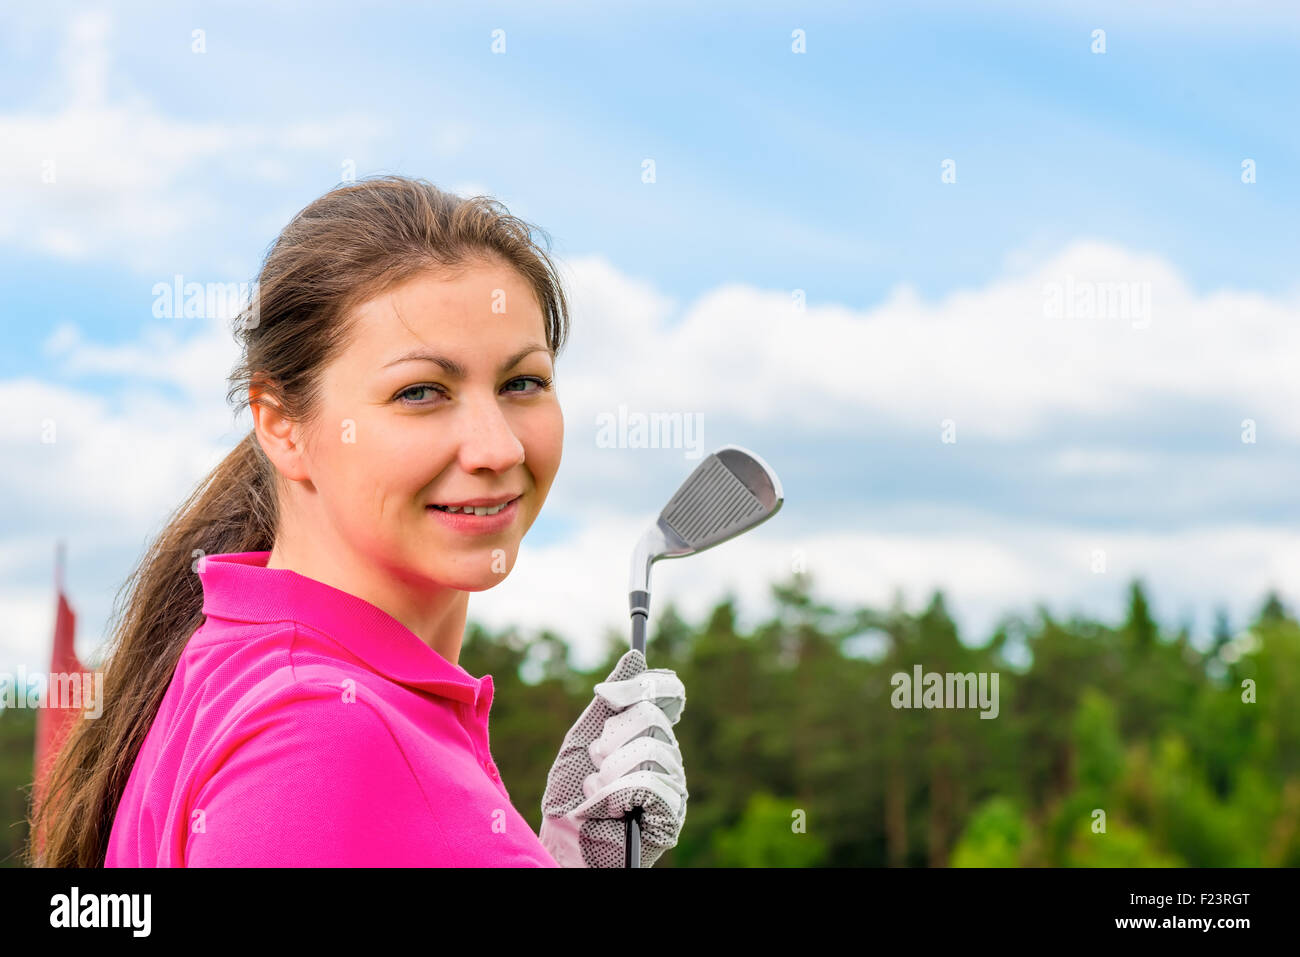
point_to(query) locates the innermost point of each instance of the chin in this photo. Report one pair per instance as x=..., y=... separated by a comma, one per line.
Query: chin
x=471, y=584
x=480, y=582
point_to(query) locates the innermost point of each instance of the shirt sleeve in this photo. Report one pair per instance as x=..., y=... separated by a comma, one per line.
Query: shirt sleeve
x=312, y=781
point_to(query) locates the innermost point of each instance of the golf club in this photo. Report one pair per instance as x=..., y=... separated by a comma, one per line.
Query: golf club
x=730, y=492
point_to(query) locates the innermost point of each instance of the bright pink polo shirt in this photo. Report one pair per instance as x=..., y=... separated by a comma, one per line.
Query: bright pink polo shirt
x=305, y=727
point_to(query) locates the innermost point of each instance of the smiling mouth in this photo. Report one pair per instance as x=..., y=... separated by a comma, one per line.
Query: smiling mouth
x=475, y=510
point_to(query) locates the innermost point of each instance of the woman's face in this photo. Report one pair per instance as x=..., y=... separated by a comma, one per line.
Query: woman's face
x=399, y=433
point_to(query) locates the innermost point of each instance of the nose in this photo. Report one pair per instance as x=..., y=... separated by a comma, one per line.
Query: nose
x=487, y=440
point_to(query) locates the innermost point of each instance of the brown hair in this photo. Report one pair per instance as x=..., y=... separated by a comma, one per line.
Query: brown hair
x=353, y=243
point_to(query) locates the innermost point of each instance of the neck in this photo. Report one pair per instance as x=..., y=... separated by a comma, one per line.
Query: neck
x=433, y=612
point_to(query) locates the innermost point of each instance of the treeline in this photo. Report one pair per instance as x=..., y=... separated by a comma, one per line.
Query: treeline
x=1113, y=745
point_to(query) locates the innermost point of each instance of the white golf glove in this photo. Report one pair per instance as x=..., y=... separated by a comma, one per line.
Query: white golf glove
x=620, y=754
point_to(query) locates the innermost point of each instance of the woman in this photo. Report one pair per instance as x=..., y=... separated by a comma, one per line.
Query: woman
x=283, y=688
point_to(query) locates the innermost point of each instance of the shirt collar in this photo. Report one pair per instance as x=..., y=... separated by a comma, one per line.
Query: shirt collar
x=239, y=587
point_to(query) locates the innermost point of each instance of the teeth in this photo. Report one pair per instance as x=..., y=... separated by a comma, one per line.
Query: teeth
x=476, y=510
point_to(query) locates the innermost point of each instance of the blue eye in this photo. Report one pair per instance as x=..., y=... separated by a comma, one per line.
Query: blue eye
x=416, y=388
x=542, y=385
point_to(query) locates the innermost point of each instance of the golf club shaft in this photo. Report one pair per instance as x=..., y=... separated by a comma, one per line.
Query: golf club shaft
x=633, y=836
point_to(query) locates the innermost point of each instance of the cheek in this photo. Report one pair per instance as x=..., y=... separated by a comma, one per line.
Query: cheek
x=404, y=456
x=544, y=443
x=347, y=463
x=372, y=464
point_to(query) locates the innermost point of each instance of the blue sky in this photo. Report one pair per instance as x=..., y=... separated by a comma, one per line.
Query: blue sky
x=775, y=171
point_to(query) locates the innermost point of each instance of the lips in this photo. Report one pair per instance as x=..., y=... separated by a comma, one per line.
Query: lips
x=469, y=508
x=472, y=524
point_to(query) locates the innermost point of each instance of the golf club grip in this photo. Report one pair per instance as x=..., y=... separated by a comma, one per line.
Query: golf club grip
x=633, y=842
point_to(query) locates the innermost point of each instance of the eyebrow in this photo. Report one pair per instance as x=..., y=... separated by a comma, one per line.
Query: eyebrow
x=458, y=371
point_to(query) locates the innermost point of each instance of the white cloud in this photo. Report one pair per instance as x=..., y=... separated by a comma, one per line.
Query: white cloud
x=194, y=364
x=1192, y=16
x=109, y=176
x=987, y=357
x=993, y=359
x=105, y=468
x=1087, y=461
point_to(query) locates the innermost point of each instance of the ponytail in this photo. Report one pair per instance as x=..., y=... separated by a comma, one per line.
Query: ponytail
x=230, y=511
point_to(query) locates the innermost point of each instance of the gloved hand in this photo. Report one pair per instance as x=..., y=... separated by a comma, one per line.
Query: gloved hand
x=620, y=754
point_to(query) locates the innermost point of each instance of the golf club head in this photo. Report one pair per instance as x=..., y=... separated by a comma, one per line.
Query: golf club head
x=730, y=492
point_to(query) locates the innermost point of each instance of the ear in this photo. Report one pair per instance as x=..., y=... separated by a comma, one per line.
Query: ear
x=280, y=437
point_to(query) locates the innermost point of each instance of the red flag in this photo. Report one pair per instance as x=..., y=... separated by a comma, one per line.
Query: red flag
x=54, y=723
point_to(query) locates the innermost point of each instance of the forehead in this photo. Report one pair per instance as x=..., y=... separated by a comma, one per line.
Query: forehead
x=477, y=305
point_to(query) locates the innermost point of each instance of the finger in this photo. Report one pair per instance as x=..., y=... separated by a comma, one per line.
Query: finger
x=643, y=717
x=653, y=792
x=662, y=687
x=656, y=755
x=629, y=666
x=604, y=844
x=660, y=829
x=587, y=728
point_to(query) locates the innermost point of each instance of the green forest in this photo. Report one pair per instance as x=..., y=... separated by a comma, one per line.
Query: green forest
x=1114, y=745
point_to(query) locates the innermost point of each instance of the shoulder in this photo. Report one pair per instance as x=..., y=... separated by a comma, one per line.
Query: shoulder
x=254, y=694
x=243, y=671
x=312, y=742
x=310, y=778
x=318, y=712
